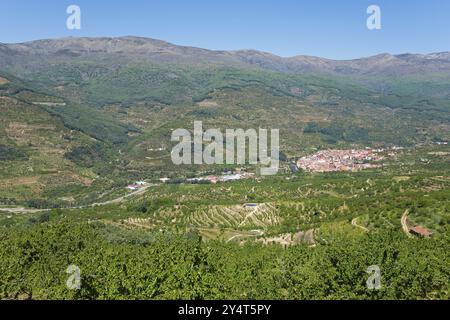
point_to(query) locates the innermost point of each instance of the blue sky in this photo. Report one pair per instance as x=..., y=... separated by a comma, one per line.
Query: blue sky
x=327, y=28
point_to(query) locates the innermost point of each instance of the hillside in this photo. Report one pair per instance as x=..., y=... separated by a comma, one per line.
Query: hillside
x=120, y=99
x=402, y=69
x=85, y=127
x=310, y=237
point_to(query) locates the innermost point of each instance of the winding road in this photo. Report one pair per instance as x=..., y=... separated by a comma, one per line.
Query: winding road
x=355, y=224
x=21, y=210
x=404, y=222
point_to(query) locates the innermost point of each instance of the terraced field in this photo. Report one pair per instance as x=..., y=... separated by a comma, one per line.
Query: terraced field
x=289, y=239
x=146, y=223
x=238, y=216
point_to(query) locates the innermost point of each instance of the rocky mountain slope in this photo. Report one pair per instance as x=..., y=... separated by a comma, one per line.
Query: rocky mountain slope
x=164, y=52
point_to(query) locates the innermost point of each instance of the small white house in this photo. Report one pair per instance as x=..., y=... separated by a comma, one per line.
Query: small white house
x=231, y=177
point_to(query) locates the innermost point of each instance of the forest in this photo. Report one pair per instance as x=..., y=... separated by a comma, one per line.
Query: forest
x=166, y=266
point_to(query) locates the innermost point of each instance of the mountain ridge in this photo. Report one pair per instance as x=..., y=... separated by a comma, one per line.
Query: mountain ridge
x=249, y=50
x=165, y=52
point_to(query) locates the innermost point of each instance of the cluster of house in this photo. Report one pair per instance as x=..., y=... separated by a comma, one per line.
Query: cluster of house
x=339, y=160
x=208, y=179
x=236, y=176
x=227, y=176
x=137, y=185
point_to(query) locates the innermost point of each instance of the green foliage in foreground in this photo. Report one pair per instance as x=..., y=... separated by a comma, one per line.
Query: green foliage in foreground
x=122, y=265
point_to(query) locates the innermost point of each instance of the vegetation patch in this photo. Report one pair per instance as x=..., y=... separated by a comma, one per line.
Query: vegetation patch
x=12, y=154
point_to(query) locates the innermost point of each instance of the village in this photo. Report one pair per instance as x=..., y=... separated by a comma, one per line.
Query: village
x=340, y=160
x=322, y=161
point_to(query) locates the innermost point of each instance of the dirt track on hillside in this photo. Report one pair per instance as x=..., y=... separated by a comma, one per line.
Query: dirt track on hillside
x=355, y=224
x=21, y=210
x=404, y=222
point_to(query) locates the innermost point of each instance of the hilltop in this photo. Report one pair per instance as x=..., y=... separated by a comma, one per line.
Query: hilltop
x=164, y=52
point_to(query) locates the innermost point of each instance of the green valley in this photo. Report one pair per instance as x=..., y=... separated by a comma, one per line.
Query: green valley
x=86, y=176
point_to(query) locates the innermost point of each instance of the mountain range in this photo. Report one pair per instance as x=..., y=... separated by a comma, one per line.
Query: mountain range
x=129, y=48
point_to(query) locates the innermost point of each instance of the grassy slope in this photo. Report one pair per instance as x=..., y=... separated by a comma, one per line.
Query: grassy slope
x=130, y=108
x=159, y=258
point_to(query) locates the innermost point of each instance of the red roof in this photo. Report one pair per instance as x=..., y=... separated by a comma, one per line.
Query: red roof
x=421, y=231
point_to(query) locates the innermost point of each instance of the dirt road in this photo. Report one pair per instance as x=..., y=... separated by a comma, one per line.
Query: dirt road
x=355, y=224
x=404, y=222
x=97, y=204
x=22, y=210
x=120, y=199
